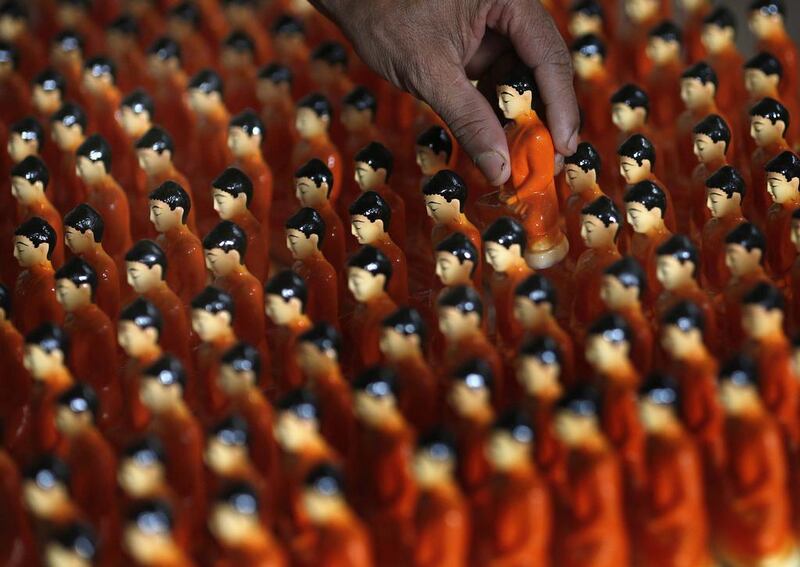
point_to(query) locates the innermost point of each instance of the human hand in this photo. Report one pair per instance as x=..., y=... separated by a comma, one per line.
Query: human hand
x=432, y=49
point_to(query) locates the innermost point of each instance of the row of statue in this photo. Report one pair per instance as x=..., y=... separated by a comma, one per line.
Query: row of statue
x=258, y=308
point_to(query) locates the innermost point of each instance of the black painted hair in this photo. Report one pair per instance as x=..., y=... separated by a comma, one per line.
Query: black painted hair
x=461, y=247
x=406, y=321
x=586, y=157
x=165, y=48
x=167, y=370
x=764, y=295
x=288, y=285
x=28, y=129
x=13, y=9
x=79, y=272
x=648, y=194
x=287, y=25
x=516, y=423
x=633, y=96
x=361, y=98
x=748, y=236
x=786, y=163
x=464, y=298
x=591, y=8
x=308, y=221
x=49, y=337
x=538, y=289
x=301, y=403
x=582, y=400
x=240, y=42
x=95, y=148
x=324, y=336
x=769, y=7
x=139, y=101
x=728, y=179
x=604, y=209
x=241, y=496
x=70, y=114
x=372, y=260
x=50, y=80
x=143, y=314
x=5, y=300
x=667, y=31
x=156, y=139
x=629, y=272
x=377, y=382
x=449, y=185
x=371, y=205
x=544, y=348
x=69, y=40
x=243, y=357
x=234, y=182
x=317, y=103
x=173, y=195
x=38, y=231
x=703, y=72
x=715, y=127
x=772, y=110
x=316, y=171
x=149, y=253
x=99, y=66
x=681, y=247
x=77, y=538
x=722, y=17
x=213, y=300
x=612, y=327
x=506, y=232
x=232, y=431
x=638, y=148
x=207, y=81
x=331, y=52
x=276, y=73
x=377, y=156
x=520, y=78
x=187, y=12
x=47, y=470
x=686, y=316
x=8, y=54
x=660, y=389
x=152, y=516
x=326, y=479
x=589, y=45
x=227, y=236
x=475, y=373
x=33, y=170
x=741, y=370
x=436, y=139
x=766, y=63
x=438, y=444
x=80, y=398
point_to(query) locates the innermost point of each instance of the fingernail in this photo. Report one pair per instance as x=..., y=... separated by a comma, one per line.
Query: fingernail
x=493, y=165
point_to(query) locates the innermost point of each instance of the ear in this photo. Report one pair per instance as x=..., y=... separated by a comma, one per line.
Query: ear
x=795, y=183
x=781, y=125
x=179, y=211
x=225, y=316
x=151, y=333
x=314, y=238
x=527, y=96
x=44, y=247
x=516, y=249
x=39, y=186
x=158, y=271
x=296, y=303
x=382, y=280
x=379, y=222
x=236, y=256
x=648, y=164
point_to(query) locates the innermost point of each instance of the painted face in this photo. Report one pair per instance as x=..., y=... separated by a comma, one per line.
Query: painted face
x=706, y=150
x=781, y=190
x=209, y=326
x=582, y=24
x=586, y=66
x=640, y=218
x=616, y=295
x=759, y=322
x=429, y=471
x=695, y=94
x=141, y=277
x=715, y=38
x=577, y=179
x=595, y=233
x=299, y=244
x=282, y=312
x=500, y=257
x=28, y=255
x=241, y=144
x=467, y=401
x=529, y=314
x=679, y=343
x=451, y=271
x=77, y=241
x=764, y=132
x=441, y=210
x=537, y=377
x=367, y=178
x=363, y=285
x=24, y=191
x=66, y=137
x=226, y=205
x=452, y=321
x=39, y=362
x=56, y=555
x=70, y=296
x=429, y=162
x=229, y=525
x=201, y=102
x=654, y=417
x=355, y=120
x=504, y=452
x=19, y=149
x=640, y=10
x=365, y=231
x=719, y=204
x=153, y=162
x=394, y=344
x=46, y=102
x=308, y=193
x=631, y=171
x=661, y=51
x=221, y=263
x=739, y=261
x=764, y=25
x=134, y=340
x=627, y=119
x=90, y=171
x=309, y=124
x=164, y=218
x=759, y=84
x=672, y=273
x=511, y=103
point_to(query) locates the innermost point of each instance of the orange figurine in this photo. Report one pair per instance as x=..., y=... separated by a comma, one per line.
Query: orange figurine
x=783, y=185
x=646, y=208
x=233, y=196
x=470, y=416
x=243, y=18
x=146, y=270
x=313, y=183
x=104, y=194
x=744, y=256
x=695, y=368
x=460, y=314
x=582, y=173
x=305, y=234
x=170, y=209
x=719, y=40
x=371, y=223
x=369, y=276
x=122, y=38
x=313, y=116
x=695, y=15
x=378, y=464
x=248, y=544
x=762, y=322
x=35, y=292
x=538, y=369
x=14, y=91
x=92, y=463
x=289, y=38
x=161, y=388
x=637, y=162
x=590, y=17
x=245, y=139
x=600, y=227
x=513, y=523
x=359, y=109
x=754, y=523
x=608, y=351
x=710, y=145
x=671, y=502
x=239, y=370
x=84, y=237
x=135, y=116
x=769, y=121
x=318, y=352
x=337, y=538
x=208, y=146
x=273, y=89
x=75, y=15
x=16, y=380
x=662, y=82
x=46, y=495
x=68, y=129
x=590, y=531
x=594, y=86
x=622, y=289
x=767, y=22
x=531, y=193
x=103, y=98
x=92, y=335
x=402, y=344
x=505, y=243
x=169, y=83
x=29, y=182
x=441, y=521
x=225, y=248
x=327, y=70
x=457, y=261
x=725, y=191
x=285, y=300
x=150, y=535
x=373, y=167
x=16, y=29
x=794, y=277
x=73, y=542
x=640, y=17
x=237, y=62
x=213, y=321
x=66, y=56
x=183, y=26
x=139, y=332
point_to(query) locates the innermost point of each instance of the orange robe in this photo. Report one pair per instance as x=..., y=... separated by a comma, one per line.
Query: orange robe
x=641, y=339
x=203, y=394
x=173, y=112
x=532, y=169
x=35, y=299
x=692, y=292
x=323, y=149
x=473, y=468
x=503, y=286
x=419, y=391
x=780, y=250
x=732, y=296
x=240, y=88
x=15, y=381
x=548, y=451
x=134, y=415
x=397, y=227
x=186, y=264
x=344, y=542
x=591, y=528
x=513, y=521
x=260, y=175
x=398, y=284
x=279, y=141
x=572, y=218
x=795, y=286
x=17, y=547
x=587, y=306
x=320, y=278
x=758, y=201
x=476, y=345
x=441, y=528
x=663, y=84
x=643, y=248
x=14, y=98
x=258, y=414
x=108, y=199
x=256, y=258
x=44, y=209
x=174, y=337
x=103, y=108
x=93, y=357
x=755, y=519
x=210, y=154
x=620, y=420
x=154, y=182
x=673, y=530
x=784, y=49
x=249, y=321
x=335, y=398
x=195, y=53
x=31, y=53
x=712, y=250
x=698, y=197
x=365, y=329
x=107, y=294
x=333, y=247
x=263, y=552
x=286, y=374
x=729, y=65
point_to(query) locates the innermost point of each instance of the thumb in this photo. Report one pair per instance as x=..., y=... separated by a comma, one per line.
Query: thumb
x=471, y=120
